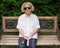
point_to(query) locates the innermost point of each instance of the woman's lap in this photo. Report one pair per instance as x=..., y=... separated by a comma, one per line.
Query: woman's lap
x=32, y=43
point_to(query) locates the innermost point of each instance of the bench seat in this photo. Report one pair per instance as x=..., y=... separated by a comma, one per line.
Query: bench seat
x=43, y=40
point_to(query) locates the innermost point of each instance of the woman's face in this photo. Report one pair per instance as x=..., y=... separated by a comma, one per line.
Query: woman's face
x=27, y=9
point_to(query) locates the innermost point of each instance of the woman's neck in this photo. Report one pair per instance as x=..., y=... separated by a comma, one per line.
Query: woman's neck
x=28, y=14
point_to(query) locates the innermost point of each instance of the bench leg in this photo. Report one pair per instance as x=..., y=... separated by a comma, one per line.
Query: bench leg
x=58, y=46
x=0, y=46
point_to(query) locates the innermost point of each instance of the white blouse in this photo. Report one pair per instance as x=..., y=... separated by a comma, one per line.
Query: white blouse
x=28, y=24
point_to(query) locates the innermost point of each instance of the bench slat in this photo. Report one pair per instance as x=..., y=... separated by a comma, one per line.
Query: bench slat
x=42, y=40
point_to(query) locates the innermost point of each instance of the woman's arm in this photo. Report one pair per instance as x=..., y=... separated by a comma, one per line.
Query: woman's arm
x=22, y=33
x=34, y=31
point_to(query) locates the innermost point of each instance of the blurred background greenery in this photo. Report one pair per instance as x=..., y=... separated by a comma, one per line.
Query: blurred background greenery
x=42, y=8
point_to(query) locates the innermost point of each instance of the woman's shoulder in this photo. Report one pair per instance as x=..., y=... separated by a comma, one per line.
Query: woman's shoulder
x=21, y=16
x=34, y=15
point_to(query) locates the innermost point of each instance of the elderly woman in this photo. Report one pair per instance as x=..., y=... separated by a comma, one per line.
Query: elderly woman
x=28, y=25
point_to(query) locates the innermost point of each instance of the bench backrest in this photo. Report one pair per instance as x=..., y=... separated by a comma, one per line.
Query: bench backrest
x=47, y=23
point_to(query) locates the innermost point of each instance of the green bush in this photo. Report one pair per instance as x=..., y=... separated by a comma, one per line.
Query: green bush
x=42, y=7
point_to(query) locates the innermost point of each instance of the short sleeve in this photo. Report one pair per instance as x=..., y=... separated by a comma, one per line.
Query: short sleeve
x=19, y=23
x=37, y=25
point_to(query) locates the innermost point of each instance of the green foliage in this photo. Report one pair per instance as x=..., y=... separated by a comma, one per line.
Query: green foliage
x=5, y=47
x=42, y=8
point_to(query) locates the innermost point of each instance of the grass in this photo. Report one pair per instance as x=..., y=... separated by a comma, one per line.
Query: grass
x=36, y=46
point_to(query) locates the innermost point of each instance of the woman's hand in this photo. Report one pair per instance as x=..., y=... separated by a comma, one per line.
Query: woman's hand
x=25, y=37
x=30, y=36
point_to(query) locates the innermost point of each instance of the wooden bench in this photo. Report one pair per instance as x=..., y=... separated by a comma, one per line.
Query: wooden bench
x=48, y=24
